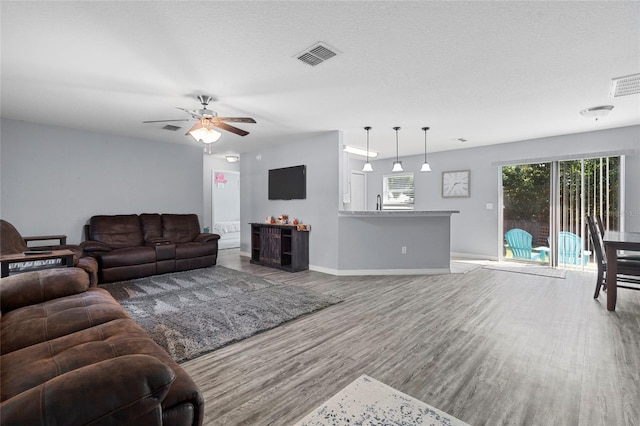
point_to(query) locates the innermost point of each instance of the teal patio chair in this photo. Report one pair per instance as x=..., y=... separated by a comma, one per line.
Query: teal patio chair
x=519, y=241
x=570, y=249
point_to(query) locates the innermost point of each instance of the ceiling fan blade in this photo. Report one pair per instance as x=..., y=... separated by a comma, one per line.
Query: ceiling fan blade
x=229, y=128
x=195, y=127
x=237, y=119
x=167, y=121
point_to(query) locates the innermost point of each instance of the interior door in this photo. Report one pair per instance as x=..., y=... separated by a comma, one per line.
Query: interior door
x=358, y=200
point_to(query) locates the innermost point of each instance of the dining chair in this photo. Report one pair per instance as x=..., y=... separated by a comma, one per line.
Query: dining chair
x=628, y=268
x=519, y=241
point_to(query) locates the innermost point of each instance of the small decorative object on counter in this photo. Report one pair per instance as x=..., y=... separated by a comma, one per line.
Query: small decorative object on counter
x=295, y=221
x=283, y=219
x=268, y=219
x=303, y=227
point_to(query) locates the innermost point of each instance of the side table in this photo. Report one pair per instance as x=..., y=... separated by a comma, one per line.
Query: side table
x=65, y=255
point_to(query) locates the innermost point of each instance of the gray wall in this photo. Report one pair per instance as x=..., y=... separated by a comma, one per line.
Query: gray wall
x=474, y=231
x=53, y=179
x=321, y=154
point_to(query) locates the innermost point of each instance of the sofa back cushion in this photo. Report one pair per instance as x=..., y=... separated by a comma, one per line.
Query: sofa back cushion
x=180, y=228
x=151, y=225
x=117, y=231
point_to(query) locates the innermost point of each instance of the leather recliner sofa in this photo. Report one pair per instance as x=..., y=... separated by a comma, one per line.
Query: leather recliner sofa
x=134, y=246
x=70, y=355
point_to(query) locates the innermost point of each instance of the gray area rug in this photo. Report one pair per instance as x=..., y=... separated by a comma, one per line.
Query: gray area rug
x=194, y=312
x=368, y=402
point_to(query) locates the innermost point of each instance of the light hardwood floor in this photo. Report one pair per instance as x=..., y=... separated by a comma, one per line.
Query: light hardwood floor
x=488, y=347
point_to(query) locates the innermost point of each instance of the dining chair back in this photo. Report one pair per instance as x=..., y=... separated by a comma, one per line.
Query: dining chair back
x=628, y=266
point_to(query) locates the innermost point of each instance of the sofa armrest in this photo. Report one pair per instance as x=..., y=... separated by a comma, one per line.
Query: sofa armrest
x=205, y=238
x=91, y=246
x=35, y=287
x=117, y=391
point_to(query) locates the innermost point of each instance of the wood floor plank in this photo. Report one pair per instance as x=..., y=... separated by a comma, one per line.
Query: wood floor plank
x=487, y=346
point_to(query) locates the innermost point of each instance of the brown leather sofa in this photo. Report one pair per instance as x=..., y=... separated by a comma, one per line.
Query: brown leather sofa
x=70, y=355
x=134, y=246
x=11, y=242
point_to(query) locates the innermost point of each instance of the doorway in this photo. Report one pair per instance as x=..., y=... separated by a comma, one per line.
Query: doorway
x=225, y=194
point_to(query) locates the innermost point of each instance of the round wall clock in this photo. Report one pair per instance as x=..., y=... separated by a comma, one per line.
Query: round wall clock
x=455, y=184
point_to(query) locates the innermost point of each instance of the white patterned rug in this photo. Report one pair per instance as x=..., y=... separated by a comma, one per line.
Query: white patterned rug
x=368, y=402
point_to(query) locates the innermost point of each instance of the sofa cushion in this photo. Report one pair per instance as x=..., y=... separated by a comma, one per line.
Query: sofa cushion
x=124, y=390
x=191, y=250
x=116, y=231
x=151, y=226
x=34, y=365
x=29, y=288
x=127, y=257
x=58, y=317
x=180, y=228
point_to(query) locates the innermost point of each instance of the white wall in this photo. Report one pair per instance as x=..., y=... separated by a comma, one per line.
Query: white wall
x=321, y=154
x=474, y=231
x=53, y=179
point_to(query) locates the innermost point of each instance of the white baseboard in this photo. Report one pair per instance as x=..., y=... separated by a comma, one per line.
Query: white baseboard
x=358, y=272
x=473, y=256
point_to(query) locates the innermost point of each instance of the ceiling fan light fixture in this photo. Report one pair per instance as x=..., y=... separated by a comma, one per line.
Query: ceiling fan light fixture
x=205, y=135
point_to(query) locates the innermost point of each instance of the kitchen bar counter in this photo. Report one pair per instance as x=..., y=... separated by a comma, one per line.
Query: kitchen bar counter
x=394, y=242
x=396, y=213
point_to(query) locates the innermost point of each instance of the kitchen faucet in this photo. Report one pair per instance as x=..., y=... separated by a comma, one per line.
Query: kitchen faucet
x=378, y=202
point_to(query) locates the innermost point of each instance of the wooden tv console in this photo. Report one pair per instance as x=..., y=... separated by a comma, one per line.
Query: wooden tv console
x=280, y=246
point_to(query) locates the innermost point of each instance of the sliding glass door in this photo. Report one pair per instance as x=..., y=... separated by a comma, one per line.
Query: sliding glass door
x=526, y=203
x=550, y=202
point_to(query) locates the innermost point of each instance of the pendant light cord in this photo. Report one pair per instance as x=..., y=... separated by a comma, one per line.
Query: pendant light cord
x=425, y=143
x=396, y=129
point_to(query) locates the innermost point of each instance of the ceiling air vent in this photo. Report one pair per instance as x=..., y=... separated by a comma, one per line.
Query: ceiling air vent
x=623, y=86
x=316, y=54
x=172, y=127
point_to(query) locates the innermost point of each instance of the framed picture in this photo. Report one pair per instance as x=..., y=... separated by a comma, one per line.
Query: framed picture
x=455, y=184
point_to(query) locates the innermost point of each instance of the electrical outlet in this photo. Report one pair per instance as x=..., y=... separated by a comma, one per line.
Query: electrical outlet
x=404, y=249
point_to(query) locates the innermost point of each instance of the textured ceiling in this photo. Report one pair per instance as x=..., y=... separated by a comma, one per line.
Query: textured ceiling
x=490, y=72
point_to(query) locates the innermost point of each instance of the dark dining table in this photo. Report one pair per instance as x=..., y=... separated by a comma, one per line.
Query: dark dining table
x=614, y=241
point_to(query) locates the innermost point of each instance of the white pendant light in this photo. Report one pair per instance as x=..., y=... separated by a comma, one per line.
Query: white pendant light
x=397, y=165
x=367, y=166
x=425, y=166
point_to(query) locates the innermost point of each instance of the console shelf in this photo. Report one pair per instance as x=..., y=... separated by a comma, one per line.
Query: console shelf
x=280, y=246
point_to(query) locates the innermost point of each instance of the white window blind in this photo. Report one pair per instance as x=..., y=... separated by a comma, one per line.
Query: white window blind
x=398, y=191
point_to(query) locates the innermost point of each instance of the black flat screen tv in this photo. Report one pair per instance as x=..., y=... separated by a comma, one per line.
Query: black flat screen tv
x=289, y=183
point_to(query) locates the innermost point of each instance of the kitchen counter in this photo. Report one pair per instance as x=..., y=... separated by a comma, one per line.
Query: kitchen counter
x=394, y=242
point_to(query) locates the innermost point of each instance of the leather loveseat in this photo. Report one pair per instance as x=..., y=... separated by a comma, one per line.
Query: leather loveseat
x=134, y=246
x=70, y=355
